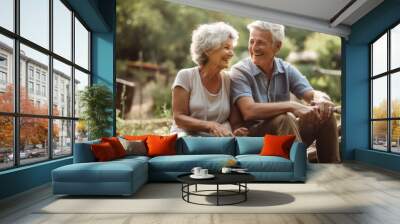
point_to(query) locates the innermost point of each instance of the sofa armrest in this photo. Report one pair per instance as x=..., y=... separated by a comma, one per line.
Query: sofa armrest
x=298, y=155
x=83, y=152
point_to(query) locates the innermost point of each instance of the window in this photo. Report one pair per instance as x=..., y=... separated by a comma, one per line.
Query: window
x=44, y=91
x=37, y=74
x=3, y=72
x=6, y=73
x=3, y=78
x=81, y=45
x=385, y=97
x=38, y=89
x=30, y=72
x=43, y=77
x=54, y=125
x=30, y=87
x=3, y=61
x=7, y=14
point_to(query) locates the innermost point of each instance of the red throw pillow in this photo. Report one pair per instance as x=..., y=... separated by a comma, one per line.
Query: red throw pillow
x=161, y=145
x=103, y=151
x=275, y=145
x=116, y=145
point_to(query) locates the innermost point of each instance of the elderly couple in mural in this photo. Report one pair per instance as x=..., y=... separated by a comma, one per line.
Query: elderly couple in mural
x=253, y=97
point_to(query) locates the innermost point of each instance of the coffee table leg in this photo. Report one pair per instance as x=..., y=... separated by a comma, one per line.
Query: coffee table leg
x=217, y=194
x=196, y=188
x=245, y=193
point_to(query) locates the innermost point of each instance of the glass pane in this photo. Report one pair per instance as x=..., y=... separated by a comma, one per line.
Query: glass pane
x=395, y=94
x=6, y=142
x=34, y=97
x=395, y=47
x=81, y=45
x=81, y=131
x=62, y=141
x=62, y=29
x=379, y=97
x=379, y=55
x=35, y=21
x=81, y=81
x=7, y=14
x=395, y=138
x=6, y=74
x=379, y=135
x=33, y=139
x=62, y=89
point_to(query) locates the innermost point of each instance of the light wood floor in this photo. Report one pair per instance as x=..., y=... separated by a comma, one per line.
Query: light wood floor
x=377, y=188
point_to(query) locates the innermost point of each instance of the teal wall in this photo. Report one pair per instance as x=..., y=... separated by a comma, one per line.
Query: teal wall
x=355, y=93
x=103, y=54
x=99, y=16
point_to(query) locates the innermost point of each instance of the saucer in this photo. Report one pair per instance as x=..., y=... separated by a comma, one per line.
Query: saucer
x=208, y=176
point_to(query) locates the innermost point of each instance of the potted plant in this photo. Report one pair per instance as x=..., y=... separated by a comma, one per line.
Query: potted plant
x=96, y=104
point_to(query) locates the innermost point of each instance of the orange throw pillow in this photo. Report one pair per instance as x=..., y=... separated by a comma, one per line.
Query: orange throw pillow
x=161, y=145
x=116, y=145
x=103, y=152
x=275, y=145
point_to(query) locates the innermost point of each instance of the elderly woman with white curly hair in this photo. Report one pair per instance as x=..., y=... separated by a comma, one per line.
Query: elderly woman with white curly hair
x=201, y=94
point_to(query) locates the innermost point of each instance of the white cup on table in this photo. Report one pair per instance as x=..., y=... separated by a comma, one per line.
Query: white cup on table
x=196, y=170
x=203, y=172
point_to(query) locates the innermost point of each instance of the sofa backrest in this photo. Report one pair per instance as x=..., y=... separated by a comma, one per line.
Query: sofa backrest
x=83, y=152
x=205, y=145
x=249, y=145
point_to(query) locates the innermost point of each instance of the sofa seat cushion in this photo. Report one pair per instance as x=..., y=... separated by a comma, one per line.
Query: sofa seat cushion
x=133, y=158
x=205, y=145
x=257, y=163
x=185, y=163
x=112, y=171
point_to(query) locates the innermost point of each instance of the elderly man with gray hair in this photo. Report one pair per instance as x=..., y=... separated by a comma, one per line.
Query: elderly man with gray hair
x=261, y=87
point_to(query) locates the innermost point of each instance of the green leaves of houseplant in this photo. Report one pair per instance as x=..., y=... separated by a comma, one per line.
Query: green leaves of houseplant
x=96, y=104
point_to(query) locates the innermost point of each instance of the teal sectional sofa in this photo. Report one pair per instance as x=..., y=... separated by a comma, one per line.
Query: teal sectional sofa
x=125, y=176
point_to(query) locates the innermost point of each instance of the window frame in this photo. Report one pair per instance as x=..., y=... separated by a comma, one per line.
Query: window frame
x=16, y=114
x=388, y=74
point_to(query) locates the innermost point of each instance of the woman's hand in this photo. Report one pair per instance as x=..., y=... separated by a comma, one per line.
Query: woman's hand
x=242, y=131
x=218, y=129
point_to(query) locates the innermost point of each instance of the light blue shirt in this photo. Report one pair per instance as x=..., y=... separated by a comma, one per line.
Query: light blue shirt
x=248, y=80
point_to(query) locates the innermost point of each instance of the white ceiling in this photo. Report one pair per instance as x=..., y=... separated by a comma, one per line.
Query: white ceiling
x=315, y=15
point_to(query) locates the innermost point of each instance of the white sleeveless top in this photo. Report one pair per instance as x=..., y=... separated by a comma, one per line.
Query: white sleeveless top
x=203, y=105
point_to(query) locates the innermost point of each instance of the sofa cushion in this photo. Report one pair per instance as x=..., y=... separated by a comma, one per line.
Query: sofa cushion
x=275, y=145
x=206, y=145
x=112, y=171
x=161, y=145
x=257, y=163
x=103, y=151
x=83, y=153
x=134, y=147
x=249, y=145
x=116, y=145
x=185, y=163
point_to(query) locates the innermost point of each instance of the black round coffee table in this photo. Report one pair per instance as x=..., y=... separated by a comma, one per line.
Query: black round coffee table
x=238, y=179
